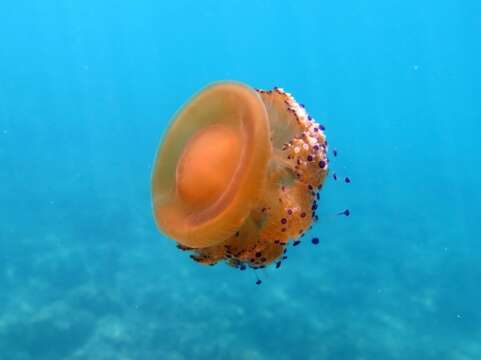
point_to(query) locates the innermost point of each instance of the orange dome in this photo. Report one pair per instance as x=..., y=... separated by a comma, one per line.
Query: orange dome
x=236, y=174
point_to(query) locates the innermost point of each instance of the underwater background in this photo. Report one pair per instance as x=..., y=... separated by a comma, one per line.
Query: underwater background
x=88, y=87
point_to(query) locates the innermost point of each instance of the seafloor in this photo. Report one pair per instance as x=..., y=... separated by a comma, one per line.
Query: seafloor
x=107, y=286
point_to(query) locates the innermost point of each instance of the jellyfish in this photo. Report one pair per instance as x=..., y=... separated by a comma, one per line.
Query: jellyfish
x=236, y=175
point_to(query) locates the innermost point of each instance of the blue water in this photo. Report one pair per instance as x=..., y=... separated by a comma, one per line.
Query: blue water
x=87, y=88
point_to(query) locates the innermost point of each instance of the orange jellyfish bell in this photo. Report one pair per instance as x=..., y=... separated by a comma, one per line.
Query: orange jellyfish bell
x=236, y=175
